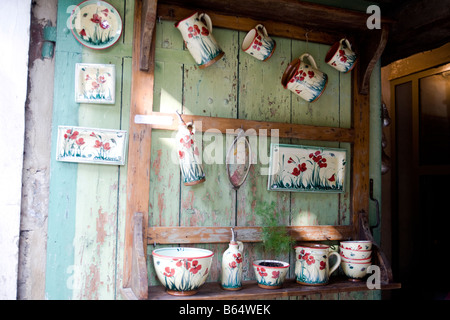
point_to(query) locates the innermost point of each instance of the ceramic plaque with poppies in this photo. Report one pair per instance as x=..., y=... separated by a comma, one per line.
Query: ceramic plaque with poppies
x=306, y=168
x=95, y=83
x=96, y=24
x=102, y=146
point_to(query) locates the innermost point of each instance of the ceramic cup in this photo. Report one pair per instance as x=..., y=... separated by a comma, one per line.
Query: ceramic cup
x=312, y=264
x=356, y=245
x=355, y=271
x=197, y=35
x=258, y=44
x=341, y=57
x=305, y=79
x=355, y=254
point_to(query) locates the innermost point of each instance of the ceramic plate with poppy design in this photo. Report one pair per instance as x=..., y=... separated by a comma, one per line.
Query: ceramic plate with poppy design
x=96, y=24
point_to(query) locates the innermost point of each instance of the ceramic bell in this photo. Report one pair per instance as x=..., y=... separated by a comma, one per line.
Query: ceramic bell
x=232, y=265
x=188, y=154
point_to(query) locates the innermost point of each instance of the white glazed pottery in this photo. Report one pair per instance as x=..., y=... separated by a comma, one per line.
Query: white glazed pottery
x=305, y=79
x=355, y=254
x=355, y=271
x=270, y=277
x=182, y=270
x=197, y=35
x=356, y=245
x=356, y=260
x=232, y=265
x=341, y=57
x=312, y=264
x=258, y=44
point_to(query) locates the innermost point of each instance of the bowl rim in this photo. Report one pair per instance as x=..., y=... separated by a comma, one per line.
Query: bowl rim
x=354, y=250
x=355, y=260
x=285, y=264
x=318, y=246
x=208, y=253
x=352, y=262
x=356, y=241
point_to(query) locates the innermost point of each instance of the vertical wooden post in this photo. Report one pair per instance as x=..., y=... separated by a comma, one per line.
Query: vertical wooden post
x=361, y=148
x=138, y=178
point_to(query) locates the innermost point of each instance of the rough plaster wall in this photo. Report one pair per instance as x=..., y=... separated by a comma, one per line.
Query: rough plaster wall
x=36, y=169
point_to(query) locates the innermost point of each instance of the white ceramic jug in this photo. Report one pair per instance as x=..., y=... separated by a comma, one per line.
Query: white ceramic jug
x=232, y=265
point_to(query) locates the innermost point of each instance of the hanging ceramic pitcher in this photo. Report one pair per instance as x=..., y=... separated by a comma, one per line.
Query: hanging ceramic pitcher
x=197, y=35
x=232, y=265
x=188, y=154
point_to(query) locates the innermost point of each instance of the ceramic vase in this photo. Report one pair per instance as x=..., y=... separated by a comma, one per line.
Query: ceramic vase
x=197, y=35
x=232, y=265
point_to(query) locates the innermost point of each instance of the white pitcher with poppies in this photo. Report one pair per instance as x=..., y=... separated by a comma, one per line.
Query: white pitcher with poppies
x=197, y=35
x=312, y=264
x=232, y=265
x=188, y=154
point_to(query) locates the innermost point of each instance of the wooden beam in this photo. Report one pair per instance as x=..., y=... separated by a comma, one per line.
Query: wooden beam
x=139, y=277
x=190, y=235
x=147, y=30
x=169, y=121
x=239, y=23
x=139, y=148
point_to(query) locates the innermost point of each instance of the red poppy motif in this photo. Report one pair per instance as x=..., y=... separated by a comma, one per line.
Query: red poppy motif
x=83, y=33
x=262, y=271
x=323, y=265
x=96, y=18
x=98, y=144
x=105, y=12
x=80, y=142
x=187, y=141
x=275, y=274
x=317, y=158
x=181, y=154
x=332, y=179
x=195, y=267
x=205, y=32
x=297, y=170
x=291, y=160
x=311, y=74
x=169, y=272
x=238, y=257
x=104, y=24
x=193, y=31
x=233, y=264
x=106, y=146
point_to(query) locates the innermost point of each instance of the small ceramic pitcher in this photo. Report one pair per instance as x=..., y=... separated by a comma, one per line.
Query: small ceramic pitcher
x=258, y=44
x=312, y=264
x=199, y=40
x=305, y=79
x=341, y=57
x=188, y=154
x=232, y=265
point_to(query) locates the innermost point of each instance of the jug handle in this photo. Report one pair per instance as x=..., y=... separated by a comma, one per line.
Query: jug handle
x=347, y=43
x=310, y=58
x=208, y=21
x=260, y=26
x=338, y=262
x=240, y=246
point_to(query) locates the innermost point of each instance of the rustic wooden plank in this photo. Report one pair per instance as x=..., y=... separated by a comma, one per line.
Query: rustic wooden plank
x=139, y=279
x=241, y=23
x=361, y=151
x=183, y=235
x=251, y=291
x=139, y=148
x=148, y=28
x=169, y=121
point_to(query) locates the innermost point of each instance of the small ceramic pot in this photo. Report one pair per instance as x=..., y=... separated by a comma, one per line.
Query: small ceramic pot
x=356, y=245
x=305, y=79
x=355, y=271
x=312, y=264
x=197, y=35
x=258, y=44
x=341, y=57
x=268, y=275
x=182, y=270
x=355, y=254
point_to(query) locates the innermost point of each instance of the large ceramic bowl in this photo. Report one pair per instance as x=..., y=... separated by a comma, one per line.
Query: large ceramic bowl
x=182, y=270
x=355, y=271
x=357, y=245
x=270, y=274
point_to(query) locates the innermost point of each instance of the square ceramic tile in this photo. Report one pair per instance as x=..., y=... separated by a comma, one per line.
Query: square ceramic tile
x=95, y=83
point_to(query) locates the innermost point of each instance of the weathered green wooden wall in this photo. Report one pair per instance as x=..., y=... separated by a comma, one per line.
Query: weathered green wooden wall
x=87, y=202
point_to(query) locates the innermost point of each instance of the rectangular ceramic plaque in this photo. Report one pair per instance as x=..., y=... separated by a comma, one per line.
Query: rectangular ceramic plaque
x=306, y=168
x=88, y=145
x=95, y=83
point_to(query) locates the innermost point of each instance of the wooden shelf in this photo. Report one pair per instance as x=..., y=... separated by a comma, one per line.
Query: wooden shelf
x=250, y=290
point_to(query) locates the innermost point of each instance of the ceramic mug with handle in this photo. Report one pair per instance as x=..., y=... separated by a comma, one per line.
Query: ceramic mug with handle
x=197, y=35
x=341, y=56
x=305, y=79
x=312, y=265
x=258, y=44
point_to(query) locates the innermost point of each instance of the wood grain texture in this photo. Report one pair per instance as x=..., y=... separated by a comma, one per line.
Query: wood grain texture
x=147, y=32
